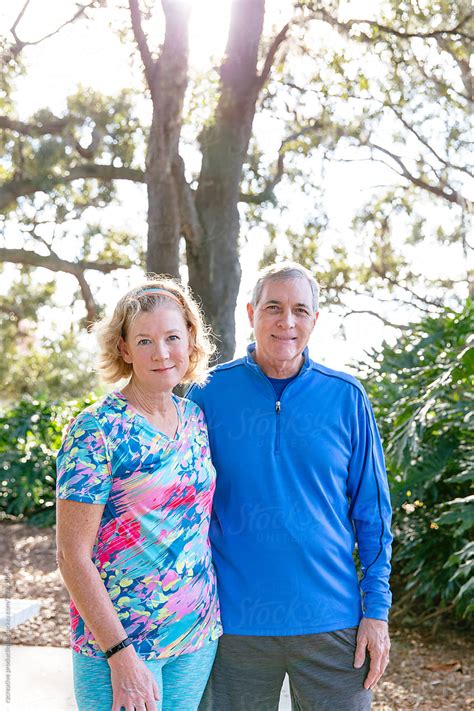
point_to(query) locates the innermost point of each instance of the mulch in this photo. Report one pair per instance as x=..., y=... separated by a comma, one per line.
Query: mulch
x=429, y=670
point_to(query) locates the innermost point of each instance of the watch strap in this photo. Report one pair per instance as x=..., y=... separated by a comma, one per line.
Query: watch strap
x=117, y=647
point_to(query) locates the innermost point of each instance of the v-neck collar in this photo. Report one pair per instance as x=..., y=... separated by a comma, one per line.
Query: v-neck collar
x=146, y=423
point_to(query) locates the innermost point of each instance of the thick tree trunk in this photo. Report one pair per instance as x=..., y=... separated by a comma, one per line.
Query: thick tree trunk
x=167, y=79
x=207, y=218
x=214, y=268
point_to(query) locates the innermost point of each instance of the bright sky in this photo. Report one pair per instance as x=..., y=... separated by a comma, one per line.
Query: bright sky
x=91, y=53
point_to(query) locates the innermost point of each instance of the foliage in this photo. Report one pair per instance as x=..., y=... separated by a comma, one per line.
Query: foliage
x=422, y=390
x=389, y=97
x=391, y=90
x=30, y=437
x=54, y=367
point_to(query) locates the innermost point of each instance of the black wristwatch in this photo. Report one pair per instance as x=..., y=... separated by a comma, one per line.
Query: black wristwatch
x=116, y=648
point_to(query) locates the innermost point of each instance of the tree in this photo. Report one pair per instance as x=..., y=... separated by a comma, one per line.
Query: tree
x=396, y=88
x=313, y=76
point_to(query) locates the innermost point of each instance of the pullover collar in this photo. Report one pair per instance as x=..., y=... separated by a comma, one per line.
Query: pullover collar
x=249, y=361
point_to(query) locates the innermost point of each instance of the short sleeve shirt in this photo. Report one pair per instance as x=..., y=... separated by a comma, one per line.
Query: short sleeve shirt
x=152, y=548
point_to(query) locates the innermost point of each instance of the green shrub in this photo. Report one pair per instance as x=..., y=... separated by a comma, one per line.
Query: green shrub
x=422, y=394
x=30, y=437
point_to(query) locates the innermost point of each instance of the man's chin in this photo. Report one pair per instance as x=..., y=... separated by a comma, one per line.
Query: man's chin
x=285, y=352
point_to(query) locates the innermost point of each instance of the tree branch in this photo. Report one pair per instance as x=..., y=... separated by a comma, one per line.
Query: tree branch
x=14, y=189
x=142, y=44
x=385, y=321
x=17, y=21
x=20, y=44
x=424, y=304
x=440, y=85
x=53, y=262
x=87, y=297
x=267, y=193
x=463, y=65
x=55, y=125
x=269, y=59
x=423, y=140
x=191, y=227
x=56, y=264
x=453, y=196
x=402, y=34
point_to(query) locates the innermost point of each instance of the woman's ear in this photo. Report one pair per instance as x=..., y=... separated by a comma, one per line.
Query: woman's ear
x=124, y=350
x=191, y=341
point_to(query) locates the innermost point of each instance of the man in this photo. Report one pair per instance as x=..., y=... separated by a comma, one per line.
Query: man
x=300, y=480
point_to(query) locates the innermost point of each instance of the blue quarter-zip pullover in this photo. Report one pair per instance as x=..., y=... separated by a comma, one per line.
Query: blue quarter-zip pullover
x=300, y=480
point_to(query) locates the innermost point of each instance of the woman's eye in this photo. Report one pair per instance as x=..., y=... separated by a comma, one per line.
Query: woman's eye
x=174, y=338
x=144, y=341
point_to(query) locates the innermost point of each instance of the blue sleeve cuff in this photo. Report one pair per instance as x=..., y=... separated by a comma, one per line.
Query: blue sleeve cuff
x=377, y=612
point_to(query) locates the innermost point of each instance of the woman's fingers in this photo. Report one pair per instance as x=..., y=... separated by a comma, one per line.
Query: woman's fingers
x=134, y=686
x=156, y=690
x=132, y=702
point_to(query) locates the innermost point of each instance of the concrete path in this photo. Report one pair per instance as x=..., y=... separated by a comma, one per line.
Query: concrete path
x=40, y=679
x=14, y=612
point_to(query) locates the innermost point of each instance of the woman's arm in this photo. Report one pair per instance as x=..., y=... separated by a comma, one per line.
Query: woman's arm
x=77, y=526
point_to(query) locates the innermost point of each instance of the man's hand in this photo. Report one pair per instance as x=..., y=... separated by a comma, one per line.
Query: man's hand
x=372, y=637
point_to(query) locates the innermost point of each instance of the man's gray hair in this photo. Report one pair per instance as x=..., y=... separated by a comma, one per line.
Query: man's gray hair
x=280, y=272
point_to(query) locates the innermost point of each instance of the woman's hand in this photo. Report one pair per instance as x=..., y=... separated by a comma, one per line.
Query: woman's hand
x=133, y=685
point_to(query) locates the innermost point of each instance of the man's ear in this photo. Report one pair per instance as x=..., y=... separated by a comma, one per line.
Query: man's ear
x=250, y=313
x=124, y=350
x=316, y=315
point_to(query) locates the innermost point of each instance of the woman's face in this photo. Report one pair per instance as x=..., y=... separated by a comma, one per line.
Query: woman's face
x=158, y=348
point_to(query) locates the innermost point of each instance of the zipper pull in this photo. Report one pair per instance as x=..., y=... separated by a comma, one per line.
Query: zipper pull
x=278, y=407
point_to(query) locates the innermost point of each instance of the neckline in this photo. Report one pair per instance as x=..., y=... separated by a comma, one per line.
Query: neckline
x=133, y=411
x=250, y=361
x=282, y=380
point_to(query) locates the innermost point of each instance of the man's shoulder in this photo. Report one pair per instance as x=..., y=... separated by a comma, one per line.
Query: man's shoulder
x=223, y=371
x=338, y=377
x=218, y=375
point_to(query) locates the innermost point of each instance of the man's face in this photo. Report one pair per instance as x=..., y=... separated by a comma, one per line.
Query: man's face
x=283, y=320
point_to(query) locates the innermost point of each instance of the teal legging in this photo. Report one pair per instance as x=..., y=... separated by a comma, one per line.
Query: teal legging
x=181, y=680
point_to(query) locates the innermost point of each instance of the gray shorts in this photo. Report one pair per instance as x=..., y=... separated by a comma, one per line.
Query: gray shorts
x=248, y=673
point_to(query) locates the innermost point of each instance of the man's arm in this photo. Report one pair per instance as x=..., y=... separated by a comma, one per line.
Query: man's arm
x=370, y=511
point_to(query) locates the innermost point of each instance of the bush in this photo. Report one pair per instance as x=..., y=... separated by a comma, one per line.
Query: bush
x=30, y=437
x=422, y=395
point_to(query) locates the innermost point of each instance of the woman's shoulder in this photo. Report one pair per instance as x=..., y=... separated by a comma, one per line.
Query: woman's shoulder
x=99, y=413
x=188, y=407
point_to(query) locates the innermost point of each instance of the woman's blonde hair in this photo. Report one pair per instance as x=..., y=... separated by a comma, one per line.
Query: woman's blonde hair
x=156, y=291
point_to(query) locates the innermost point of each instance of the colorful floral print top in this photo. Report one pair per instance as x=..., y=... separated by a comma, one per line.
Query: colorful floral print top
x=152, y=548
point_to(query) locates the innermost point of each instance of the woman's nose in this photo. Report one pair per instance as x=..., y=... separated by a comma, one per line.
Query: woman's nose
x=161, y=351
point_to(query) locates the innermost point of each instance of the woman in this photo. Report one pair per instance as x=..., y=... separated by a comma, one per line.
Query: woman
x=135, y=487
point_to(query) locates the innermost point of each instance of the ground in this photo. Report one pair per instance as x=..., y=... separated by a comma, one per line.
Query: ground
x=427, y=672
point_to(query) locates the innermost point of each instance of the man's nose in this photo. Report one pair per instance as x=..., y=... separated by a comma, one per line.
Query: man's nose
x=287, y=318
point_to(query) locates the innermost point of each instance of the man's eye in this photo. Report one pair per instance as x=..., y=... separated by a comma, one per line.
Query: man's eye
x=302, y=311
x=272, y=307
